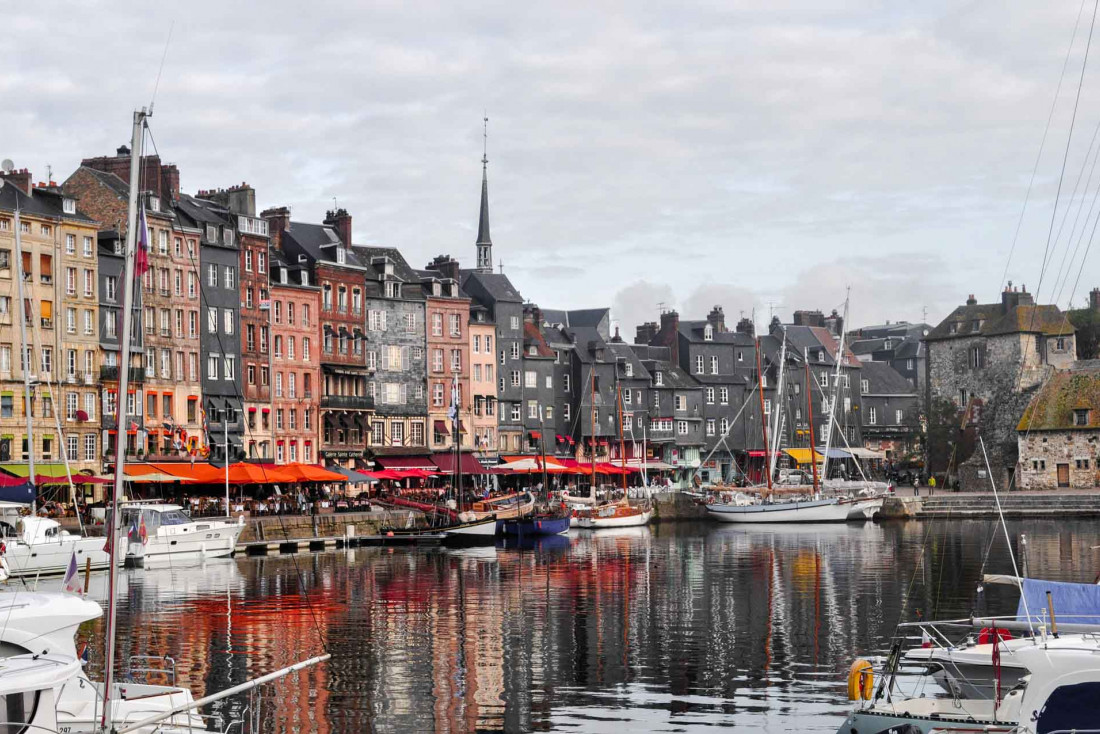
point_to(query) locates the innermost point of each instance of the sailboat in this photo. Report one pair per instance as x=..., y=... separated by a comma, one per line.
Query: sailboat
x=545, y=520
x=813, y=509
x=620, y=514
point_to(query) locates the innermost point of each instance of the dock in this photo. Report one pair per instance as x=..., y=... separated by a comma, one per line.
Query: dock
x=298, y=545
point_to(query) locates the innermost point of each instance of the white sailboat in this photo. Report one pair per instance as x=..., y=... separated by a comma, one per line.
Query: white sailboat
x=167, y=533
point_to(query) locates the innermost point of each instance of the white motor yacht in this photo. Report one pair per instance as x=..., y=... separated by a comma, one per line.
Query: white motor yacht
x=44, y=625
x=34, y=546
x=830, y=509
x=170, y=534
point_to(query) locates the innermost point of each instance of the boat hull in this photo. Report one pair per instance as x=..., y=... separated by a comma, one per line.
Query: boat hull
x=861, y=722
x=477, y=532
x=594, y=522
x=532, y=526
x=827, y=510
x=191, y=541
x=46, y=558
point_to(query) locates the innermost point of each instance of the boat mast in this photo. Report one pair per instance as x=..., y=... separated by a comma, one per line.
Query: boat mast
x=542, y=452
x=455, y=424
x=592, y=415
x=763, y=418
x=120, y=441
x=26, y=356
x=622, y=443
x=810, y=409
x=774, y=458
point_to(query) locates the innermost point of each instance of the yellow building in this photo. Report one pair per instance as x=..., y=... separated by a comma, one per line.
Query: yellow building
x=59, y=265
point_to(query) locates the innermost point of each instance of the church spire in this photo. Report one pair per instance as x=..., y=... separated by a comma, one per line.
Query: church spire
x=484, y=241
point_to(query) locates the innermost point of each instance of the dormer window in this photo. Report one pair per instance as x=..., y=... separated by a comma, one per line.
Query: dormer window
x=887, y=344
x=628, y=369
x=954, y=327
x=393, y=289
x=658, y=378
x=437, y=288
x=283, y=276
x=708, y=333
x=305, y=277
x=154, y=203
x=211, y=233
x=1081, y=417
x=68, y=206
x=227, y=236
x=532, y=351
x=341, y=256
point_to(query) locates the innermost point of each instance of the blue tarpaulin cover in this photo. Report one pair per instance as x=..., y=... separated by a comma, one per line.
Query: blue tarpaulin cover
x=21, y=492
x=1073, y=603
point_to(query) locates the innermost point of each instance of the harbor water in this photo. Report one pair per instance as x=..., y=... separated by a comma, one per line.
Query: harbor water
x=674, y=628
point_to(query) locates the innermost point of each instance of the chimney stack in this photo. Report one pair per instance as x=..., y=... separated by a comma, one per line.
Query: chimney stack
x=809, y=318
x=1094, y=299
x=20, y=178
x=278, y=221
x=446, y=265
x=745, y=326
x=717, y=319
x=971, y=300
x=644, y=333
x=340, y=220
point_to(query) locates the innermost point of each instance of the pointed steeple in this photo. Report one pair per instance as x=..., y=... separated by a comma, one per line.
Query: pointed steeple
x=484, y=241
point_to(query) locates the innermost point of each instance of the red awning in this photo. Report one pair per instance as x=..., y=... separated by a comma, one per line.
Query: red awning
x=535, y=435
x=441, y=428
x=404, y=463
x=468, y=463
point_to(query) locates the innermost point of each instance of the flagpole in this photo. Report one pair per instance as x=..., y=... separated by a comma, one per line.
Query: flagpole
x=121, y=436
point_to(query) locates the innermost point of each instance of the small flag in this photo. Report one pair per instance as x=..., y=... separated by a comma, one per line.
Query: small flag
x=142, y=532
x=108, y=545
x=925, y=639
x=141, y=261
x=84, y=653
x=134, y=533
x=71, y=583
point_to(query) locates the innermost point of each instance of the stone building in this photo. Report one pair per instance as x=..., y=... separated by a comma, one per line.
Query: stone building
x=261, y=341
x=57, y=238
x=295, y=362
x=325, y=250
x=219, y=325
x=890, y=412
x=1059, y=432
x=448, y=356
x=988, y=359
x=676, y=422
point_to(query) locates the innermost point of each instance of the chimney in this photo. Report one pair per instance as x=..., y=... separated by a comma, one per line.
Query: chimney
x=745, y=326
x=1013, y=297
x=340, y=220
x=278, y=221
x=446, y=265
x=21, y=179
x=809, y=318
x=717, y=319
x=670, y=323
x=971, y=300
x=644, y=333
x=835, y=323
x=1094, y=299
x=170, y=182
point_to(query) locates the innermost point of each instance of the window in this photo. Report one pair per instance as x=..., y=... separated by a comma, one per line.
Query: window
x=628, y=397
x=681, y=402
x=230, y=367
x=212, y=275
x=710, y=426
x=1081, y=417
x=230, y=277
x=437, y=324
x=714, y=365
x=456, y=360
x=767, y=407
x=910, y=364
x=530, y=379
x=872, y=416
x=515, y=378
x=212, y=367
x=699, y=364
x=824, y=377
x=977, y=357
x=515, y=350
x=708, y=333
x=533, y=409
x=864, y=387
x=192, y=284
x=212, y=320
x=397, y=433
x=70, y=244
x=899, y=417
x=682, y=428
x=455, y=324
x=565, y=379
x=514, y=321
x=724, y=395
x=515, y=413
x=710, y=395
x=110, y=286
x=658, y=379
x=376, y=320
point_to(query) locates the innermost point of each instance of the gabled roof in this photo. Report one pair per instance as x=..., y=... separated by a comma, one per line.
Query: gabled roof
x=401, y=271
x=694, y=331
x=110, y=180
x=532, y=335
x=816, y=337
x=626, y=353
x=992, y=319
x=318, y=242
x=495, y=285
x=672, y=376
x=202, y=211
x=883, y=379
x=587, y=338
x=1052, y=408
x=40, y=202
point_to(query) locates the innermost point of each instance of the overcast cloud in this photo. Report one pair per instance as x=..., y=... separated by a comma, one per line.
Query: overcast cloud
x=759, y=154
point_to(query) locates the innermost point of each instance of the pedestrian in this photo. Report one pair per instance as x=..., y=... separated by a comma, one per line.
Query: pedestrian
x=932, y=485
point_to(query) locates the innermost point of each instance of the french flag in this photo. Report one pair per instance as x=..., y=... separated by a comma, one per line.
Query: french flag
x=141, y=262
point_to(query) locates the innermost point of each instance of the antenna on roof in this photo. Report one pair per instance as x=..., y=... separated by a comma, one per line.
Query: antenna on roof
x=49, y=173
x=7, y=166
x=485, y=139
x=500, y=264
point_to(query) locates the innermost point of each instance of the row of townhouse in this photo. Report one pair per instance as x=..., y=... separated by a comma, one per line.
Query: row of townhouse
x=260, y=337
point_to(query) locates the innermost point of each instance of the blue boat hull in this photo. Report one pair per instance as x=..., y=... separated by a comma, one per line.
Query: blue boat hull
x=530, y=526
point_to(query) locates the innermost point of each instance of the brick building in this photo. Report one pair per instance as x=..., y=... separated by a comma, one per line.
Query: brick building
x=324, y=251
x=295, y=303
x=447, y=311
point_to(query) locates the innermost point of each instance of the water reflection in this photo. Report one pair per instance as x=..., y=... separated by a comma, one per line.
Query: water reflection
x=664, y=629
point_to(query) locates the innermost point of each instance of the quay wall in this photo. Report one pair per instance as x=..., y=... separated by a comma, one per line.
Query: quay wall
x=297, y=527
x=674, y=506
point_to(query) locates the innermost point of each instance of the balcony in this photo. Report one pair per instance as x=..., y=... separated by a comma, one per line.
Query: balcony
x=110, y=373
x=347, y=402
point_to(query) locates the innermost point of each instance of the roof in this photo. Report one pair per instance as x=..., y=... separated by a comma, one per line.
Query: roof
x=401, y=270
x=1051, y=409
x=203, y=211
x=672, y=376
x=495, y=285
x=318, y=242
x=110, y=180
x=694, y=330
x=627, y=354
x=586, y=337
x=884, y=380
x=40, y=202
x=993, y=319
x=532, y=334
x=815, y=337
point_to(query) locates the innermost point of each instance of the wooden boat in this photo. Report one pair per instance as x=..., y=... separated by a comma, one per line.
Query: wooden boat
x=506, y=507
x=618, y=515
x=538, y=524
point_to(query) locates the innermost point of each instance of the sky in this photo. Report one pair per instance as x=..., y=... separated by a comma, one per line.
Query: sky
x=762, y=155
